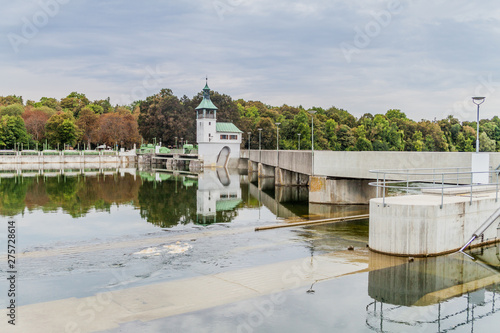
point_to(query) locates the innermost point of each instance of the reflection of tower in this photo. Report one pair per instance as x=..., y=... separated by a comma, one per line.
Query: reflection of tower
x=218, y=191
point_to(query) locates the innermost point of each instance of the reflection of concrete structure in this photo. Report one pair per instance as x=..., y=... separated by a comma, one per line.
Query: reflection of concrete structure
x=218, y=143
x=218, y=191
x=395, y=284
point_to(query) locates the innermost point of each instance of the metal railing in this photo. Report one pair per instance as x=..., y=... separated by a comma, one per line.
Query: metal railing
x=435, y=180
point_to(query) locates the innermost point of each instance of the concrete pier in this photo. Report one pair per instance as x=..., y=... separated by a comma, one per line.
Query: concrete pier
x=417, y=225
x=326, y=190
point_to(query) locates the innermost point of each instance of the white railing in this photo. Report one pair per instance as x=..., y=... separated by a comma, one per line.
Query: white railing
x=434, y=180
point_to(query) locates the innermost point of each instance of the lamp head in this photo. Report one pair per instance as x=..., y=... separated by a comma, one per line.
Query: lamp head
x=478, y=100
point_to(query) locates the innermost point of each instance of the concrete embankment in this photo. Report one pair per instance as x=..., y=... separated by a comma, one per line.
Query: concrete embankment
x=417, y=225
x=61, y=157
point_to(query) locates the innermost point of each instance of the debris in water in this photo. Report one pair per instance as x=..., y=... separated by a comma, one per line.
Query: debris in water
x=149, y=250
x=177, y=247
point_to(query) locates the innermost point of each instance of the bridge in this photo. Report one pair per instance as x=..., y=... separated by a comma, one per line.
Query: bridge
x=342, y=177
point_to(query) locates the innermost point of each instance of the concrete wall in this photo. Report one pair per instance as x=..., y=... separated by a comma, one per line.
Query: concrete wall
x=325, y=190
x=209, y=152
x=63, y=159
x=415, y=225
x=356, y=164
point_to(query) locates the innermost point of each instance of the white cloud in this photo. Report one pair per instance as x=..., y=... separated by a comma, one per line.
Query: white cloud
x=425, y=59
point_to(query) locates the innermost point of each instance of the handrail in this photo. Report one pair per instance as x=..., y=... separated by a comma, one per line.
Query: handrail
x=431, y=179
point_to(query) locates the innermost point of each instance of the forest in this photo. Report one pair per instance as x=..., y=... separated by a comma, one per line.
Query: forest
x=76, y=121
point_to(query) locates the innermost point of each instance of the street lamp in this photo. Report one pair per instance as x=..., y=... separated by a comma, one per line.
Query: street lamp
x=312, y=112
x=478, y=101
x=249, y=134
x=277, y=136
x=175, y=142
x=299, y=140
x=260, y=132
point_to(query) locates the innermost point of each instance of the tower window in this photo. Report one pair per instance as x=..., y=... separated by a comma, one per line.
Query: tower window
x=223, y=137
x=233, y=137
x=209, y=123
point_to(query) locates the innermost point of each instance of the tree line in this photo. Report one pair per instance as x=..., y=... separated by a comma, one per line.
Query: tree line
x=166, y=118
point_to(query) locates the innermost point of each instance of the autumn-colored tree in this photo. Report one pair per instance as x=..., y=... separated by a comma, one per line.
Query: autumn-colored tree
x=35, y=121
x=115, y=128
x=87, y=123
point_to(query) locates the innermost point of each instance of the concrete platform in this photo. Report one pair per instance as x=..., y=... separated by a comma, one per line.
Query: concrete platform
x=416, y=225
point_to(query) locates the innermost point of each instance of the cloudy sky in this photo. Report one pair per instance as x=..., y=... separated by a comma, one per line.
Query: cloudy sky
x=427, y=58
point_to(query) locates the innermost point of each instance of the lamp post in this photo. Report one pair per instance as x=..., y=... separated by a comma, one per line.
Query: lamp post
x=478, y=101
x=312, y=112
x=277, y=136
x=249, y=135
x=260, y=132
x=299, y=140
x=176, y=143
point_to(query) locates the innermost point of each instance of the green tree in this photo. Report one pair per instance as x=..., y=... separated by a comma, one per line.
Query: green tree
x=12, y=131
x=12, y=110
x=74, y=102
x=11, y=99
x=61, y=129
x=485, y=143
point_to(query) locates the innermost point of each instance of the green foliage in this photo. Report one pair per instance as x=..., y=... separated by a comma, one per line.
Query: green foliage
x=49, y=102
x=12, y=131
x=61, y=129
x=11, y=99
x=12, y=110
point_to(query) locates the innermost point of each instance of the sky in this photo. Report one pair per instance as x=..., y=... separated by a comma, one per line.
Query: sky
x=426, y=58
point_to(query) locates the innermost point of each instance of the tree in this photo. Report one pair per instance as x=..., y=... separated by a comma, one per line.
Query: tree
x=12, y=110
x=87, y=123
x=345, y=137
x=485, y=143
x=11, y=99
x=74, y=102
x=163, y=116
x=61, y=129
x=114, y=128
x=12, y=131
x=48, y=102
x=35, y=121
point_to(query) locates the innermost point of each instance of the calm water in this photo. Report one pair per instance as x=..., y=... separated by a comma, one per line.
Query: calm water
x=83, y=234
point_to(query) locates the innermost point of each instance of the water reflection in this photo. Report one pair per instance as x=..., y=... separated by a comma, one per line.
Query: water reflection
x=217, y=197
x=75, y=194
x=163, y=199
x=434, y=294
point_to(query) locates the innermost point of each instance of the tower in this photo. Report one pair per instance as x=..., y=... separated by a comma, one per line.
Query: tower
x=206, y=118
x=218, y=143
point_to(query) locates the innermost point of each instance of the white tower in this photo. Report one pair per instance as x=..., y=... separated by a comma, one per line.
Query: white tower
x=206, y=118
